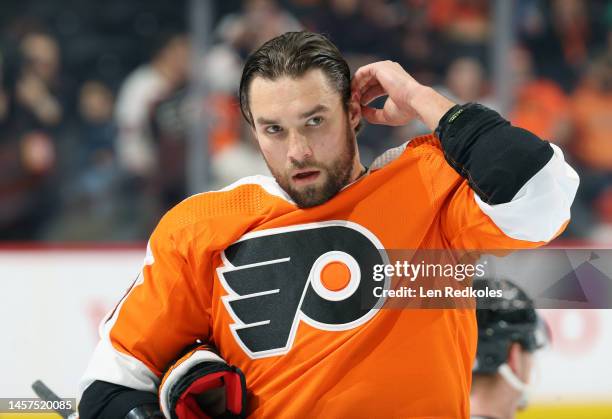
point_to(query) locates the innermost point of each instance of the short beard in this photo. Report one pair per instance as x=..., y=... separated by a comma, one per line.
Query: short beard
x=338, y=176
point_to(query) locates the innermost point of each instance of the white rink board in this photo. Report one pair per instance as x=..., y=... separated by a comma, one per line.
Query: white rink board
x=51, y=302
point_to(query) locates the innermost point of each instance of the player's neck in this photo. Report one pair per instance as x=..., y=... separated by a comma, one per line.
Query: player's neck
x=493, y=400
x=358, y=171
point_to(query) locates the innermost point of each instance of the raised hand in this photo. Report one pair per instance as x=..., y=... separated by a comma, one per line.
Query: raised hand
x=407, y=99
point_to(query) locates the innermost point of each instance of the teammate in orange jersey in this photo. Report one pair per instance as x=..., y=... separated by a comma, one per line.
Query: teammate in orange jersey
x=263, y=290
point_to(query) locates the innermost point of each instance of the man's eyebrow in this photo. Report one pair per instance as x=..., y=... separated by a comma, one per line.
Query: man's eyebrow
x=264, y=121
x=316, y=109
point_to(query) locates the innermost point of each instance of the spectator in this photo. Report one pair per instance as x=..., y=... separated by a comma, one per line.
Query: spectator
x=464, y=24
x=359, y=27
x=561, y=38
x=258, y=21
x=417, y=47
x=136, y=146
x=25, y=161
x=90, y=196
x=145, y=86
x=591, y=108
x=32, y=112
x=540, y=105
x=343, y=22
x=466, y=82
x=462, y=20
x=38, y=97
x=97, y=130
x=592, y=145
x=97, y=180
x=170, y=127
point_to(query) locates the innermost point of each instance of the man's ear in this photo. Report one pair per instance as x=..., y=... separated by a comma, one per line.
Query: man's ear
x=515, y=359
x=354, y=113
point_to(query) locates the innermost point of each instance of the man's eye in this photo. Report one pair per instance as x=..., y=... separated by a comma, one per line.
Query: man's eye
x=315, y=121
x=273, y=129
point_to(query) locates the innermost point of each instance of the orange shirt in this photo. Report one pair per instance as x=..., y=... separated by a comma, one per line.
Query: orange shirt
x=592, y=111
x=541, y=106
x=239, y=268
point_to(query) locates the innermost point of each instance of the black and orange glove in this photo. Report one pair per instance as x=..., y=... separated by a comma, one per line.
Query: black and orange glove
x=202, y=385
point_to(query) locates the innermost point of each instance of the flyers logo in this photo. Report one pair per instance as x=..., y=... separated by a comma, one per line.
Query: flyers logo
x=319, y=273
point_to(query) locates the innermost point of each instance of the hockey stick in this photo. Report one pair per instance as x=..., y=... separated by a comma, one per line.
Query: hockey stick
x=46, y=394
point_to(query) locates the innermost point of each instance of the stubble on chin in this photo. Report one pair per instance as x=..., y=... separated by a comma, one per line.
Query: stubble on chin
x=336, y=177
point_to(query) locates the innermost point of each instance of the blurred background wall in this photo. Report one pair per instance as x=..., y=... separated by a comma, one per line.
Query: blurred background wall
x=100, y=101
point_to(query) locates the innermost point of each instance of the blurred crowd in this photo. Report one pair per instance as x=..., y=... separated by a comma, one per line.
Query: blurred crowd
x=97, y=103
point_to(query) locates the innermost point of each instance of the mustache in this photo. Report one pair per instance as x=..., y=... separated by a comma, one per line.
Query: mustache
x=308, y=163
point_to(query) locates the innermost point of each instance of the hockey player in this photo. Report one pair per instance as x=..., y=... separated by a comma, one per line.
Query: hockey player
x=509, y=332
x=256, y=300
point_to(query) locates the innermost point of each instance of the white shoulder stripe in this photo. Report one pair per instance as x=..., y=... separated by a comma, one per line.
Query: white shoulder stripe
x=268, y=183
x=108, y=364
x=388, y=156
x=541, y=206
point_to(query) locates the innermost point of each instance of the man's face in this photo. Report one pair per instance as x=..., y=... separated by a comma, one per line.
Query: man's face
x=305, y=135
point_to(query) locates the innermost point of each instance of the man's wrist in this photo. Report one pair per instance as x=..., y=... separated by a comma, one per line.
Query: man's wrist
x=450, y=115
x=429, y=105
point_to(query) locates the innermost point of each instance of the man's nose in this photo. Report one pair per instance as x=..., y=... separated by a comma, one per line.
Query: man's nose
x=299, y=147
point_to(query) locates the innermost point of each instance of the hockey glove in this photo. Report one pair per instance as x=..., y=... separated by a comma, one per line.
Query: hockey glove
x=202, y=385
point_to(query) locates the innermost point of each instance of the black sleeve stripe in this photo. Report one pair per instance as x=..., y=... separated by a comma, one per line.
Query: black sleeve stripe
x=496, y=158
x=102, y=400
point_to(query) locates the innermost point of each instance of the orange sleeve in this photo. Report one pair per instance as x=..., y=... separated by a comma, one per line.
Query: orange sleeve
x=539, y=211
x=167, y=309
x=465, y=226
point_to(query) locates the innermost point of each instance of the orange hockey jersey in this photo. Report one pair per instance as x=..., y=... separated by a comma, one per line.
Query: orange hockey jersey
x=243, y=268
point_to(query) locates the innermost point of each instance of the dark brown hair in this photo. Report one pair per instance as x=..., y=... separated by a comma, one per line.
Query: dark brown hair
x=293, y=54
